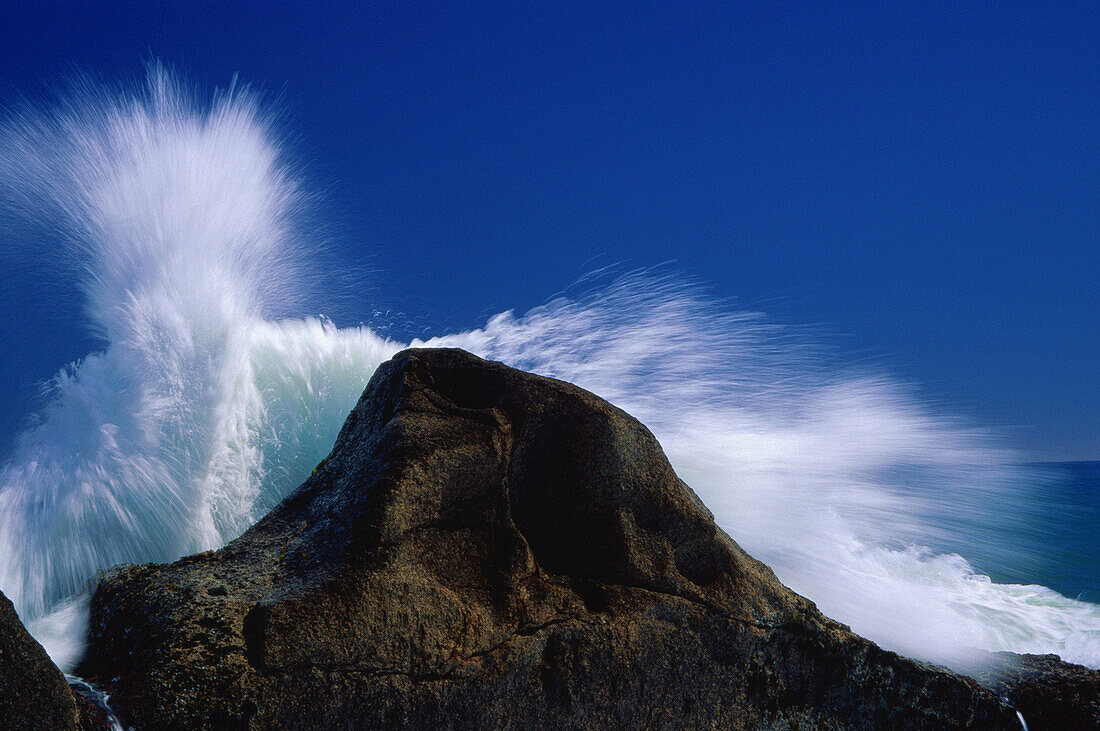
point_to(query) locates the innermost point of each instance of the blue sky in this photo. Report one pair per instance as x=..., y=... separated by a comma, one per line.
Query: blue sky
x=919, y=184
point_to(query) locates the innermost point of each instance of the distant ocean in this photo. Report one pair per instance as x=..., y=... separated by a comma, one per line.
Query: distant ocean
x=181, y=222
x=1045, y=531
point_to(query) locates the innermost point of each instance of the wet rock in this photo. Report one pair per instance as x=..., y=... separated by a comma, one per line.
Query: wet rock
x=486, y=548
x=1048, y=692
x=33, y=692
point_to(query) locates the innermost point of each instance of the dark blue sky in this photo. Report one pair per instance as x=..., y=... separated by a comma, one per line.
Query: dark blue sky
x=920, y=183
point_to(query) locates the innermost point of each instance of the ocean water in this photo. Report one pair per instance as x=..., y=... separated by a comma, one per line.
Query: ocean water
x=1047, y=532
x=1062, y=537
x=182, y=223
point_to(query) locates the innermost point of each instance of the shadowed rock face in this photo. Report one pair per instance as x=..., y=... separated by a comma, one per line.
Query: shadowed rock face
x=1048, y=692
x=489, y=548
x=33, y=692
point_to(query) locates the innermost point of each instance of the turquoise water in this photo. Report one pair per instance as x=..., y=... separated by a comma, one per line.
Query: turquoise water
x=1044, y=530
x=1060, y=533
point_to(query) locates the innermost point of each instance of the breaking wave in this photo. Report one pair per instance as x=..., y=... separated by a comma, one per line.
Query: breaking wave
x=181, y=221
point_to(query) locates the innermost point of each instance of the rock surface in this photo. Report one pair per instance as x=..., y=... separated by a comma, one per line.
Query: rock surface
x=33, y=692
x=1048, y=692
x=486, y=548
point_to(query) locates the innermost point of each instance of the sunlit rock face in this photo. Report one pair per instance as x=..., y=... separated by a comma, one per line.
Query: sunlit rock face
x=489, y=548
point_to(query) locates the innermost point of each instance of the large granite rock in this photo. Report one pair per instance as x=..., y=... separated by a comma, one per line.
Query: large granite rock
x=33, y=692
x=486, y=548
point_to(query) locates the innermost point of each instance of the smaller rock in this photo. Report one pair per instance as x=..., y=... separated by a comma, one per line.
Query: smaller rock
x=1048, y=692
x=33, y=692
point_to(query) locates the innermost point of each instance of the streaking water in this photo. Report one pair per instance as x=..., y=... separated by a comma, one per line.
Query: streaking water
x=203, y=411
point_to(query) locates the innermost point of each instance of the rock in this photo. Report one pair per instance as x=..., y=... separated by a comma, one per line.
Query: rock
x=33, y=692
x=93, y=717
x=1048, y=692
x=486, y=548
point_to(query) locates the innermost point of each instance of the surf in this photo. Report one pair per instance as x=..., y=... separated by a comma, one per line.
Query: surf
x=185, y=226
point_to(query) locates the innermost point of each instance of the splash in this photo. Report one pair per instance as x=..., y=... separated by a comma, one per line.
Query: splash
x=203, y=409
